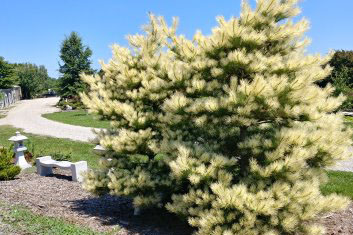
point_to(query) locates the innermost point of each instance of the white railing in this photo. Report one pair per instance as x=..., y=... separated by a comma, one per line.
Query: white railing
x=9, y=96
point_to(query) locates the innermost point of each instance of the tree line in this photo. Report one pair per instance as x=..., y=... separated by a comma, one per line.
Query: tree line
x=33, y=79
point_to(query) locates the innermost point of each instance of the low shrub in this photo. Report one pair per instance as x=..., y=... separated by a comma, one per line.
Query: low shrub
x=8, y=170
x=73, y=102
x=58, y=156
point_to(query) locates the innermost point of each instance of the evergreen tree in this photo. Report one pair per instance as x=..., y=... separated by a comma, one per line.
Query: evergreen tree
x=229, y=130
x=76, y=60
x=7, y=75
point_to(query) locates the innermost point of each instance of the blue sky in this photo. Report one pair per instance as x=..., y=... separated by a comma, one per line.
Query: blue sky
x=32, y=30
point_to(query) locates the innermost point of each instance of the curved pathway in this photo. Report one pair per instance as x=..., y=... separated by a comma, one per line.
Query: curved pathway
x=27, y=115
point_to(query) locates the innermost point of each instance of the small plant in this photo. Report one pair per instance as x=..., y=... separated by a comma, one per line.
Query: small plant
x=58, y=156
x=8, y=170
x=73, y=102
x=30, y=153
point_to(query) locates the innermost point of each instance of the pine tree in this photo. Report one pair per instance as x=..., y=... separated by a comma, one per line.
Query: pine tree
x=76, y=60
x=130, y=94
x=229, y=130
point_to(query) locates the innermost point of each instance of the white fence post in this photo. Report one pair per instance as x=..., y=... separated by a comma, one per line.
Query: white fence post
x=9, y=96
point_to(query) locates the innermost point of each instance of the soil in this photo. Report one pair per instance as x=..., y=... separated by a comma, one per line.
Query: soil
x=339, y=222
x=58, y=196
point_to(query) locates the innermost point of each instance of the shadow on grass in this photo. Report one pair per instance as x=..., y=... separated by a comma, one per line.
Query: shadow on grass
x=112, y=210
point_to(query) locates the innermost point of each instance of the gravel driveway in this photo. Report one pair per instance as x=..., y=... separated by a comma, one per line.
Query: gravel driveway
x=27, y=115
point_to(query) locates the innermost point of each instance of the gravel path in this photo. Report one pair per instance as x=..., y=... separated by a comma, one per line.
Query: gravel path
x=27, y=116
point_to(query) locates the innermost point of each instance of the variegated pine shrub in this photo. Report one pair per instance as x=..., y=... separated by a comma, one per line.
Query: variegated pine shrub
x=229, y=130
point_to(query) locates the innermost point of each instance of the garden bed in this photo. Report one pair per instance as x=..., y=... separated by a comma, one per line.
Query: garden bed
x=57, y=196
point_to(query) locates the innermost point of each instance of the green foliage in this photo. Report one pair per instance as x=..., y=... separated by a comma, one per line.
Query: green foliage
x=342, y=76
x=7, y=74
x=52, y=84
x=78, y=118
x=59, y=156
x=341, y=60
x=343, y=85
x=74, y=102
x=228, y=130
x=33, y=79
x=76, y=60
x=8, y=170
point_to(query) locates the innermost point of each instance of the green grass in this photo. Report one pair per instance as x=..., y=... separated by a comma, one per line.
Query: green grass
x=43, y=145
x=78, y=118
x=348, y=118
x=339, y=182
x=348, y=121
x=23, y=221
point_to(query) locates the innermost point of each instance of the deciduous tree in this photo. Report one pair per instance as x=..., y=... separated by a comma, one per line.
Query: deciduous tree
x=7, y=75
x=32, y=79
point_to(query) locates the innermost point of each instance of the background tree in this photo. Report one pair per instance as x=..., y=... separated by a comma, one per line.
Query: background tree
x=230, y=130
x=33, y=79
x=7, y=74
x=53, y=84
x=342, y=76
x=76, y=60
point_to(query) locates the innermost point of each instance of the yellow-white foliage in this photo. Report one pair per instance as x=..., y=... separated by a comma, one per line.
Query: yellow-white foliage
x=229, y=130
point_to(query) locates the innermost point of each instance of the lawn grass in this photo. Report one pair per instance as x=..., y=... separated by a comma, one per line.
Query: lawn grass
x=23, y=221
x=43, y=145
x=78, y=118
x=348, y=120
x=340, y=182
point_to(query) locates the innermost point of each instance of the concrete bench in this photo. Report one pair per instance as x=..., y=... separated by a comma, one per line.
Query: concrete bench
x=45, y=167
